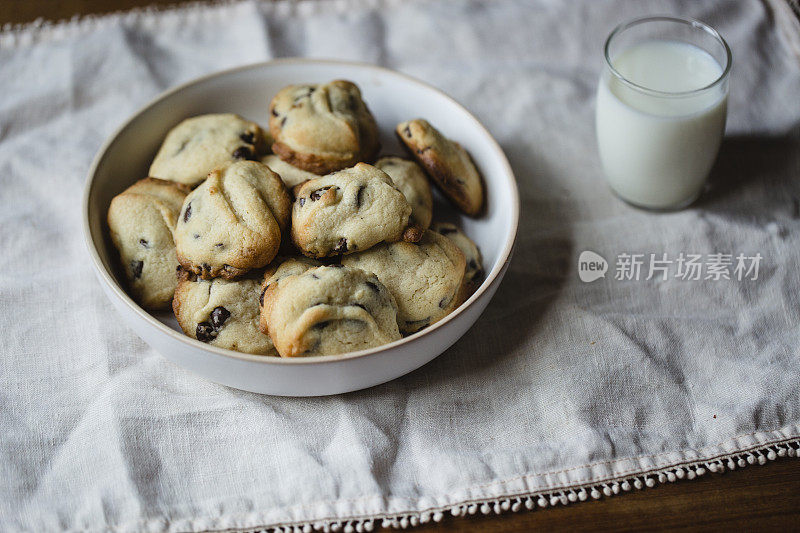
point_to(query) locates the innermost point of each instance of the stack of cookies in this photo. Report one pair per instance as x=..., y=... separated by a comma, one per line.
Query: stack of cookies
x=318, y=248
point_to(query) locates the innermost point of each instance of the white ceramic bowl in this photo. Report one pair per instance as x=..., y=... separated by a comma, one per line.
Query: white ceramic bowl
x=392, y=97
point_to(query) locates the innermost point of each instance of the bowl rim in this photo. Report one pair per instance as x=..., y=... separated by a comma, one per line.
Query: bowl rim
x=106, y=277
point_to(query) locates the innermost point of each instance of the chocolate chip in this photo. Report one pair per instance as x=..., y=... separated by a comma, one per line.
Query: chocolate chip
x=359, y=195
x=144, y=243
x=205, y=332
x=341, y=246
x=318, y=193
x=248, y=137
x=136, y=269
x=283, y=122
x=407, y=131
x=301, y=201
x=188, y=213
x=218, y=316
x=314, y=276
x=181, y=147
x=219, y=245
x=196, y=235
x=373, y=286
x=243, y=152
x=274, y=113
x=298, y=99
x=261, y=298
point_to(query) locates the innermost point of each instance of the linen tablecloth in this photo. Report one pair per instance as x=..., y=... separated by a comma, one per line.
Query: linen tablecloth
x=563, y=390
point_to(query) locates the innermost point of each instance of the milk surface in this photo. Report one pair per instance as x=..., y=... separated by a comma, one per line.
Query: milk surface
x=657, y=150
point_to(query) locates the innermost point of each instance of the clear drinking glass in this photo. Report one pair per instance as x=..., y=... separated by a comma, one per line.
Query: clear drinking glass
x=661, y=107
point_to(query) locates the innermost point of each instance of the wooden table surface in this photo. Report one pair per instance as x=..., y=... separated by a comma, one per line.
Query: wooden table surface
x=754, y=498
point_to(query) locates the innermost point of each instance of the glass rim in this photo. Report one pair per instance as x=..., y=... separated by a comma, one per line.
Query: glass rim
x=694, y=23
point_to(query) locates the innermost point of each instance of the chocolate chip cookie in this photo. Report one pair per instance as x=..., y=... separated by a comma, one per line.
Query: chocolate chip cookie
x=425, y=278
x=141, y=220
x=197, y=145
x=474, y=269
x=322, y=128
x=446, y=162
x=348, y=211
x=412, y=182
x=220, y=312
x=282, y=268
x=328, y=310
x=233, y=221
x=291, y=176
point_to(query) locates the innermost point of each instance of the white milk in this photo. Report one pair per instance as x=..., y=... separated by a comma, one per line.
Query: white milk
x=657, y=150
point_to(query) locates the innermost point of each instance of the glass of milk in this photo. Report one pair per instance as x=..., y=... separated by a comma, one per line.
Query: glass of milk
x=661, y=106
